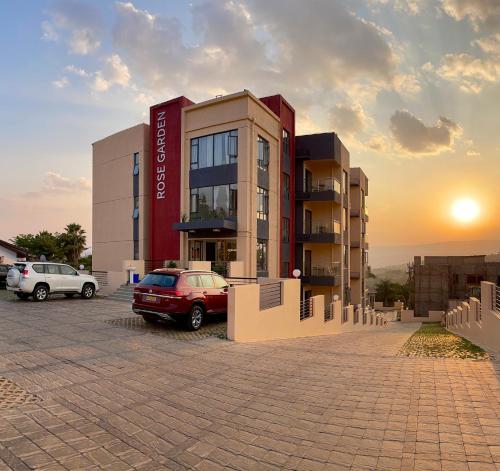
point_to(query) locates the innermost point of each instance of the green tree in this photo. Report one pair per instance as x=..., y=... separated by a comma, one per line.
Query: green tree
x=44, y=243
x=387, y=291
x=72, y=242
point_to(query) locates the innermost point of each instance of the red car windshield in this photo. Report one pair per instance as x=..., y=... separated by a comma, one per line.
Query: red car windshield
x=159, y=279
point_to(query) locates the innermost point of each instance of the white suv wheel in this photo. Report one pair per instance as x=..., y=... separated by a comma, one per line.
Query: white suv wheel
x=41, y=293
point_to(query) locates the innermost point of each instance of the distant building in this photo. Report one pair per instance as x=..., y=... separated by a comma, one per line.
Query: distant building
x=9, y=253
x=439, y=279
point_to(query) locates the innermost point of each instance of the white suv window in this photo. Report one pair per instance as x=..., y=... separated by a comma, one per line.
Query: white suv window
x=67, y=270
x=38, y=268
x=52, y=269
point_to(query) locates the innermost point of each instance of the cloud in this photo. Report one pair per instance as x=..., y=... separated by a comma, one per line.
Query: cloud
x=407, y=85
x=61, y=83
x=80, y=20
x=115, y=72
x=348, y=120
x=77, y=71
x=413, y=136
x=490, y=44
x=472, y=153
x=308, y=51
x=55, y=183
x=471, y=73
x=480, y=13
x=412, y=7
x=379, y=143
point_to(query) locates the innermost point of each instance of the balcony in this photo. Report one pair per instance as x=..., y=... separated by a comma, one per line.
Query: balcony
x=363, y=213
x=322, y=231
x=355, y=275
x=320, y=189
x=322, y=274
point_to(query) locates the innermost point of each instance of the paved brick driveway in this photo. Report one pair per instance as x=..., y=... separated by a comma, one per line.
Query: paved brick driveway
x=118, y=398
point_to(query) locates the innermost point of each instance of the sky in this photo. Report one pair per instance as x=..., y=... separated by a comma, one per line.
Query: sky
x=412, y=87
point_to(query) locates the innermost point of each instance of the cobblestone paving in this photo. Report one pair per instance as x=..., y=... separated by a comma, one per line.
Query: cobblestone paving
x=120, y=399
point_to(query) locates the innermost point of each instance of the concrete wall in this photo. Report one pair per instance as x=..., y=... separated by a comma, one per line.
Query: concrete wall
x=477, y=320
x=247, y=323
x=7, y=256
x=113, y=198
x=409, y=316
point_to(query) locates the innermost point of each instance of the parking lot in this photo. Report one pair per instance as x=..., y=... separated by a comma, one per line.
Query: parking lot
x=82, y=387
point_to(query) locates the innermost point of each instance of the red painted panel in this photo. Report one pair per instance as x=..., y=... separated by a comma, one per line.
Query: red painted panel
x=278, y=105
x=166, y=142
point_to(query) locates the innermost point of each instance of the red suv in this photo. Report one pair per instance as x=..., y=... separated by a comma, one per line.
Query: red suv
x=184, y=295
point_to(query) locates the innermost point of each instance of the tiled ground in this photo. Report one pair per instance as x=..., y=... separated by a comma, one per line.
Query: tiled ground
x=119, y=398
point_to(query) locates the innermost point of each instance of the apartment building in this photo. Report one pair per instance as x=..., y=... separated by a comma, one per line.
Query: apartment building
x=227, y=180
x=436, y=280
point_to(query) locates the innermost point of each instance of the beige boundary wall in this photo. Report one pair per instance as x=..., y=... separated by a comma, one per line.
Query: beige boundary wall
x=409, y=316
x=247, y=323
x=477, y=320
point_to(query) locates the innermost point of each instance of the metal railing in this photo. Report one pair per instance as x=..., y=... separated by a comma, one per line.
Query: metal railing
x=496, y=298
x=306, y=309
x=238, y=280
x=345, y=314
x=270, y=295
x=329, y=311
x=325, y=227
x=332, y=269
x=323, y=184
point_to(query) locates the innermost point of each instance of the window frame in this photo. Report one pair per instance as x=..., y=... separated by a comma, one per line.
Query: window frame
x=263, y=163
x=230, y=144
x=286, y=187
x=136, y=163
x=262, y=204
x=262, y=246
x=285, y=229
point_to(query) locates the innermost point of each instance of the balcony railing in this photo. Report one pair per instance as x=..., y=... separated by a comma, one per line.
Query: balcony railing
x=322, y=184
x=326, y=270
x=321, y=231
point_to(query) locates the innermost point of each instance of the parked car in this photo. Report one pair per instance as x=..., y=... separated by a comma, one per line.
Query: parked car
x=40, y=279
x=4, y=268
x=184, y=295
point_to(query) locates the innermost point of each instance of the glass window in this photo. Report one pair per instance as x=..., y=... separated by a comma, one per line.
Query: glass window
x=233, y=199
x=159, y=279
x=220, y=282
x=285, y=234
x=261, y=255
x=194, y=153
x=135, y=214
x=38, y=268
x=67, y=270
x=136, y=249
x=215, y=149
x=221, y=200
x=52, y=269
x=286, y=187
x=193, y=280
x=195, y=249
x=207, y=281
x=262, y=203
x=136, y=163
x=345, y=181
x=286, y=143
x=285, y=269
x=263, y=153
x=231, y=250
x=205, y=202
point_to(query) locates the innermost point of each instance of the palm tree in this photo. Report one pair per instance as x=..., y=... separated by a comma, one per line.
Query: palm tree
x=385, y=291
x=73, y=242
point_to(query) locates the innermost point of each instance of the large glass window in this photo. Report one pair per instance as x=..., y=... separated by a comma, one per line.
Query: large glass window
x=136, y=207
x=214, y=201
x=214, y=150
x=263, y=155
x=261, y=255
x=262, y=203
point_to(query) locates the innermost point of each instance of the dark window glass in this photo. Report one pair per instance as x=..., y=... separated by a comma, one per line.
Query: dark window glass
x=159, y=279
x=207, y=281
x=38, y=268
x=262, y=204
x=136, y=249
x=221, y=200
x=285, y=269
x=66, y=270
x=194, y=281
x=135, y=213
x=220, y=282
x=215, y=149
x=263, y=153
x=52, y=269
x=136, y=163
x=285, y=233
x=286, y=143
x=206, y=201
x=261, y=255
x=214, y=201
x=233, y=199
x=286, y=187
x=195, y=249
x=20, y=266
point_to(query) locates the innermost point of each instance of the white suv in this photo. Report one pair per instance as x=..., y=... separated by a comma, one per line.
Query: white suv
x=39, y=279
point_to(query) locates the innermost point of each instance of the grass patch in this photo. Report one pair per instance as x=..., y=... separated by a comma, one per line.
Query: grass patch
x=433, y=340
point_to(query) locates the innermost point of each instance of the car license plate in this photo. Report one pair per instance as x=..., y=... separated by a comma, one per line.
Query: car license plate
x=150, y=299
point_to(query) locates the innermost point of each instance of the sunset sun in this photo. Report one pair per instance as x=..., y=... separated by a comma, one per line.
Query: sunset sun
x=465, y=210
